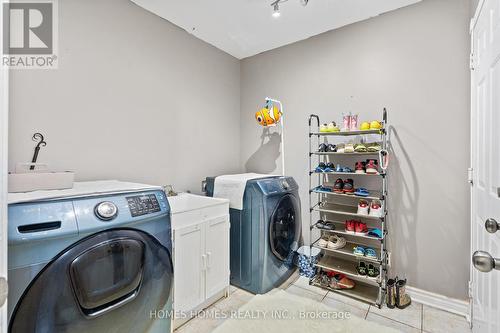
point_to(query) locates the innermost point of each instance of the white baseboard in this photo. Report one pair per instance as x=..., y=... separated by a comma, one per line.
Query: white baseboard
x=448, y=304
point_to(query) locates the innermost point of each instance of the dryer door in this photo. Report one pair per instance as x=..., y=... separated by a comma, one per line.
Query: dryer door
x=113, y=281
x=284, y=227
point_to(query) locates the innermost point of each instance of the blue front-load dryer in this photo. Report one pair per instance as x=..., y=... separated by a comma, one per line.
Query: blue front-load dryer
x=265, y=234
x=91, y=263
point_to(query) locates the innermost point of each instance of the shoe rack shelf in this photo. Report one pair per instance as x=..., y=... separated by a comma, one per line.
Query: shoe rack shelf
x=338, y=207
x=375, y=195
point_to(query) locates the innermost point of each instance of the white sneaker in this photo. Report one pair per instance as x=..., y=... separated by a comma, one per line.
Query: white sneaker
x=376, y=209
x=335, y=242
x=363, y=207
x=323, y=242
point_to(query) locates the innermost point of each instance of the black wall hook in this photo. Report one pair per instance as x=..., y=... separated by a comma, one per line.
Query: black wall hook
x=37, y=137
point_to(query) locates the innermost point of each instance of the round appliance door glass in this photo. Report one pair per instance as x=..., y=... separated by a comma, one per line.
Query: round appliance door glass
x=113, y=281
x=285, y=227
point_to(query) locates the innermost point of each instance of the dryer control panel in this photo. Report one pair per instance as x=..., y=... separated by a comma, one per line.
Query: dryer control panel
x=278, y=185
x=143, y=204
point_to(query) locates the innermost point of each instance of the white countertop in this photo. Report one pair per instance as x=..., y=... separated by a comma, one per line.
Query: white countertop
x=185, y=202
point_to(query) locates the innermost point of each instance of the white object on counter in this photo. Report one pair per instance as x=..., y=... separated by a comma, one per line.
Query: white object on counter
x=40, y=178
x=200, y=231
x=232, y=187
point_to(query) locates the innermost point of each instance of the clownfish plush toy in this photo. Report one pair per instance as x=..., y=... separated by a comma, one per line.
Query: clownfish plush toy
x=270, y=115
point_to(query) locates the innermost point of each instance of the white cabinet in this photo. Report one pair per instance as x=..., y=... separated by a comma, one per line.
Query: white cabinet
x=200, y=252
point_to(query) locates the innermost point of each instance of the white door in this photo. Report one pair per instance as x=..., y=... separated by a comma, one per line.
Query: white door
x=3, y=184
x=190, y=263
x=217, y=250
x=485, y=123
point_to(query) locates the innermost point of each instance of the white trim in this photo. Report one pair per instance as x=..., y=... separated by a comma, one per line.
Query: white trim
x=441, y=302
x=4, y=123
x=476, y=14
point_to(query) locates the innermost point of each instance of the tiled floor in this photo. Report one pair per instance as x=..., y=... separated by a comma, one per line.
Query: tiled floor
x=416, y=318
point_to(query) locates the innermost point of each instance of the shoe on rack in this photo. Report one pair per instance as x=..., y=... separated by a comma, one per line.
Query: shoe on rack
x=341, y=148
x=349, y=148
x=373, y=147
x=372, y=271
x=338, y=187
x=403, y=300
x=350, y=226
x=370, y=253
x=340, y=281
x=332, y=127
x=335, y=242
x=361, y=268
x=358, y=251
x=320, y=168
x=349, y=186
x=360, y=148
x=363, y=207
x=323, y=242
x=362, y=192
x=322, y=148
x=360, y=228
x=376, y=209
x=323, y=128
x=390, y=297
x=331, y=148
x=329, y=167
x=325, y=225
x=371, y=167
x=359, y=168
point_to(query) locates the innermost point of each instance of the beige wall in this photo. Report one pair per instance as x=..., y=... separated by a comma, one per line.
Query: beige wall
x=134, y=98
x=414, y=61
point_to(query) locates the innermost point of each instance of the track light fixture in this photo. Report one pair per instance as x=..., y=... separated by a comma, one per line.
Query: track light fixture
x=276, y=6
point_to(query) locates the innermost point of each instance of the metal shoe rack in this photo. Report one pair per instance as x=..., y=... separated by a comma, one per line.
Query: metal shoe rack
x=337, y=208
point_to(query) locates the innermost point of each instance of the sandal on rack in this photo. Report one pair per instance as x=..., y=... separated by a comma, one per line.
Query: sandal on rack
x=358, y=251
x=328, y=226
x=361, y=268
x=370, y=253
x=360, y=148
x=372, y=271
x=349, y=148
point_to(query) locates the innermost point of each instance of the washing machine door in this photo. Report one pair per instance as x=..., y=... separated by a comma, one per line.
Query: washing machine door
x=113, y=281
x=284, y=227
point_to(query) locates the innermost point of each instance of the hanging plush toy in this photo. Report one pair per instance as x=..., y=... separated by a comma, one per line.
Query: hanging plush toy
x=270, y=115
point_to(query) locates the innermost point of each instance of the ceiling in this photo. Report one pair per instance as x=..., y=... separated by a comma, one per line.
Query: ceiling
x=244, y=28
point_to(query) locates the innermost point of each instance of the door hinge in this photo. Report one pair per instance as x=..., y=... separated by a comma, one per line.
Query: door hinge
x=471, y=63
x=470, y=176
x=470, y=289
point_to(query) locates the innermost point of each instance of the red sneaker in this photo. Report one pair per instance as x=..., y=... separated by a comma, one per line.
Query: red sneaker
x=371, y=166
x=349, y=186
x=360, y=167
x=350, y=226
x=360, y=228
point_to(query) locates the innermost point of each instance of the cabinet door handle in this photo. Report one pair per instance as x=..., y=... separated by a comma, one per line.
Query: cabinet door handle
x=203, y=262
x=208, y=259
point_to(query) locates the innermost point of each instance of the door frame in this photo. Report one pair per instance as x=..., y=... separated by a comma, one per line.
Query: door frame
x=4, y=123
x=472, y=171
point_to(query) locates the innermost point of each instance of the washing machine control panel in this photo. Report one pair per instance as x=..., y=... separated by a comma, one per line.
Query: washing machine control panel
x=143, y=204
